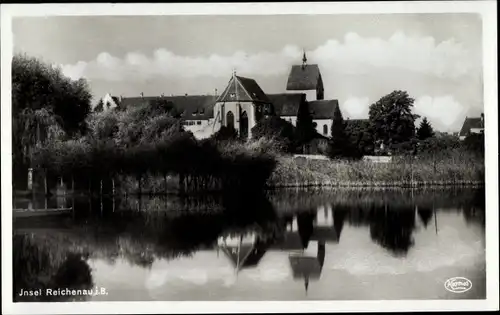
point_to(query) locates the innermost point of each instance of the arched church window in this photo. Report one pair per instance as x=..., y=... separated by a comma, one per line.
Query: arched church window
x=244, y=125
x=325, y=129
x=230, y=119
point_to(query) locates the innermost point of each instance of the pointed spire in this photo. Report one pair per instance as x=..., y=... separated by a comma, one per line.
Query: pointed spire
x=304, y=60
x=306, y=283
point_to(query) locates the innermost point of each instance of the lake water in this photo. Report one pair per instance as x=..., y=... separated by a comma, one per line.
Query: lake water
x=284, y=245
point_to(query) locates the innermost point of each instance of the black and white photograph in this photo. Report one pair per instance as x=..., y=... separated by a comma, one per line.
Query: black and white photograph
x=184, y=153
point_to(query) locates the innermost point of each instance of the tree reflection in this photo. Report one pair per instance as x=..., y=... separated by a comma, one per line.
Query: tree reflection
x=392, y=228
x=45, y=266
x=425, y=215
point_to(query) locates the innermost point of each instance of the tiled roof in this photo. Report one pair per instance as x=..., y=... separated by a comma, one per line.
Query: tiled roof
x=286, y=104
x=305, y=77
x=470, y=123
x=193, y=107
x=323, y=109
x=243, y=90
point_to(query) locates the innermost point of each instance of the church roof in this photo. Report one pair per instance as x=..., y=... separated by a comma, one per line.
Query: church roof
x=245, y=257
x=287, y=104
x=470, y=123
x=323, y=109
x=244, y=90
x=305, y=77
x=193, y=107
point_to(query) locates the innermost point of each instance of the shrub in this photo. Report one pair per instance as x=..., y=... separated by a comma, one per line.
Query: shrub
x=276, y=130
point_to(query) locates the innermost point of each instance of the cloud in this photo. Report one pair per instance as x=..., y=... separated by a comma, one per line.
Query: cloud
x=443, y=112
x=355, y=108
x=354, y=55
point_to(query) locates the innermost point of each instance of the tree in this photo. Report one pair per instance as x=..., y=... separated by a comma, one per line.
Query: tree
x=45, y=105
x=360, y=136
x=225, y=133
x=474, y=142
x=306, y=128
x=425, y=130
x=275, y=128
x=339, y=144
x=392, y=120
x=36, y=85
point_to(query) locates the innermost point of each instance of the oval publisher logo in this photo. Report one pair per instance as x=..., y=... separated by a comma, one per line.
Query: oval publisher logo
x=458, y=285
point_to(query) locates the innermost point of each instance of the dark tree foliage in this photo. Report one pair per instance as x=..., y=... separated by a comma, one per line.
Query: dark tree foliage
x=438, y=145
x=339, y=144
x=425, y=130
x=45, y=105
x=36, y=85
x=474, y=142
x=392, y=229
x=392, y=120
x=360, y=136
x=225, y=133
x=275, y=128
x=306, y=128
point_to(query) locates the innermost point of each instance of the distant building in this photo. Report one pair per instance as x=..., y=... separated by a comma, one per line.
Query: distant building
x=243, y=103
x=472, y=126
x=106, y=103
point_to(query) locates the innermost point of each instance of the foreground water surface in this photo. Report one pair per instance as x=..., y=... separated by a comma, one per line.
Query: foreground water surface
x=282, y=245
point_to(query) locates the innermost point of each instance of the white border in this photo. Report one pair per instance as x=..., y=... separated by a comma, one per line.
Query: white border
x=486, y=8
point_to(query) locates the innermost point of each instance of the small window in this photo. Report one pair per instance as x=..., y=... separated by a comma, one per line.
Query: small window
x=198, y=122
x=325, y=129
x=202, y=111
x=233, y=95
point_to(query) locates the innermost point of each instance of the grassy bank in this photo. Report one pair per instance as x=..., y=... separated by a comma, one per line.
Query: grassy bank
x=453, y=170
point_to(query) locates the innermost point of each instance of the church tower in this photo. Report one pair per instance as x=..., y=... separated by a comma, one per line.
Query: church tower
x=306, y=78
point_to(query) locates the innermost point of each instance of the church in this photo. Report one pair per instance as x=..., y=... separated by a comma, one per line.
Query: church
x=243, y=103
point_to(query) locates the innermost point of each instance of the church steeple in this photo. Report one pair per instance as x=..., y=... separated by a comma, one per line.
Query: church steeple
x=304, y=60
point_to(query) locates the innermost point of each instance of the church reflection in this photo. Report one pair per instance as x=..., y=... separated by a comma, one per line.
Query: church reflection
x=303, y=236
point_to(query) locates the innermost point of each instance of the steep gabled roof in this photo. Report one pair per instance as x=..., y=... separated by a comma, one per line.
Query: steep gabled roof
x=244, y=90
x=323, y=109
x=287, y=104
x=470, y=123
x=193, y=107
x=305, y=78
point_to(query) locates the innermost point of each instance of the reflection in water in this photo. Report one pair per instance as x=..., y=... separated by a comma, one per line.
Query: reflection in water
x=43, y=266
x=393, y=228
x=244, y=230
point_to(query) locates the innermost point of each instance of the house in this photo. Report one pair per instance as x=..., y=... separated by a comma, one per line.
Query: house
x=106, y=103
x=243, y=103
x=472, y=125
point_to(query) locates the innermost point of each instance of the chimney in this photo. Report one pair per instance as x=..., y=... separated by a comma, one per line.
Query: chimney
x=186, y=94
x=215, y=92
x=162, y=95
x=121, y=98
x=142, y=94
x=482, y=116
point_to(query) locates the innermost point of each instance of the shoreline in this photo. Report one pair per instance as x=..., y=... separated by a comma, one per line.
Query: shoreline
x=303, y=185
x=379, y=184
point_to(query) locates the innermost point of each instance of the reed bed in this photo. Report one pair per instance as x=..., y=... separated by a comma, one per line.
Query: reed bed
x=454, y=170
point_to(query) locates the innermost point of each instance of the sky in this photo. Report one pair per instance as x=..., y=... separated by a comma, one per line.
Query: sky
x=436, y=58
